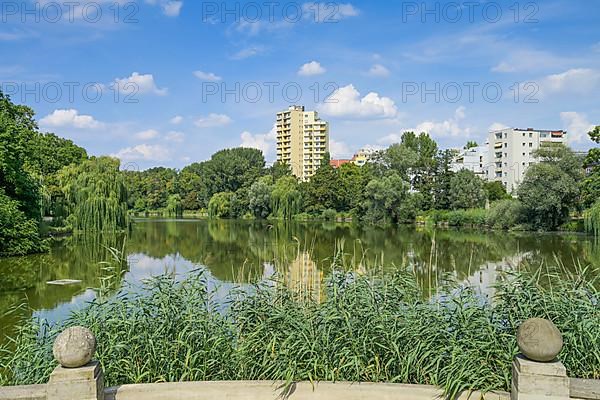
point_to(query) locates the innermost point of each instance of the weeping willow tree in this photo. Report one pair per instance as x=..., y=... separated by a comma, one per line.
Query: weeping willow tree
x=286, y=199
x=219, y=205
x=174, y=206
x=95, y=195
x=592, y=219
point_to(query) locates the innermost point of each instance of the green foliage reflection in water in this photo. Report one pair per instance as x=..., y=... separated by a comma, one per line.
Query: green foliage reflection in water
x=365, y=329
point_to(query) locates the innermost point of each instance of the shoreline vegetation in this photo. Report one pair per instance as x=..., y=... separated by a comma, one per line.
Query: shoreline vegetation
x=354, y=327
x=47, y=180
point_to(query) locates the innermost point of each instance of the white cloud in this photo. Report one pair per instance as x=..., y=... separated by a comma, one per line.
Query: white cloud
x=596, y=47
x=449, y=127
x=70, y=118
x=139, y=84
x=174, y=136
x=529, y=60
x=143, y=152
x=504, y=67
x=311, y=68
x=248, y=52
x=262, y=142
x=577, y=80
x=176, y=120
x=346, y=102
x=379, y=71
x=11, y=36
x=577, y=126
x=213, y=120
x=207, y=76
x=147, y=134
x=339, y=149
x=497, y=126
x=170, y=8
x=328, y=12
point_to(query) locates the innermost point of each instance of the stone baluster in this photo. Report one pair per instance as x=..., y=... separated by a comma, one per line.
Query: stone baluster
x=77, y=377
x=536, y=373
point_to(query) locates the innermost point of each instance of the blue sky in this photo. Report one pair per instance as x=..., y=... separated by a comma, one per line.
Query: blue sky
x=453, y=69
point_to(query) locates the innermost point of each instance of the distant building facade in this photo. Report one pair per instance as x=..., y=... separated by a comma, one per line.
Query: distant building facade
x=338, y=163
x=474, y=159
x=511, y=152
x=302, y=140
x=363, y=156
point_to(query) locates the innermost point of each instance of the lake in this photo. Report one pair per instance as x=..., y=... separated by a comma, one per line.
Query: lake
x=234, y=252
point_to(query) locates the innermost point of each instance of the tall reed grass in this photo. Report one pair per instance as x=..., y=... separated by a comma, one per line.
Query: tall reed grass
x=365, y=328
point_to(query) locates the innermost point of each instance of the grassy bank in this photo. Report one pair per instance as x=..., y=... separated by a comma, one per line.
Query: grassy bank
x=376, y=329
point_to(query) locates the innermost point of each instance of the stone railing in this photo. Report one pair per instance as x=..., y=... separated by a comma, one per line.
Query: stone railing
x=536, y=375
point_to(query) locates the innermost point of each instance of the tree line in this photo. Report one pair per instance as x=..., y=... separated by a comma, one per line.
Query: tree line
x=407, y=182
x=47, y=178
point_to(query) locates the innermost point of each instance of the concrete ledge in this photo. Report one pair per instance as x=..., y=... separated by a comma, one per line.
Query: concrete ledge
x=585, y=388
x=264, y=390
x=30, y=392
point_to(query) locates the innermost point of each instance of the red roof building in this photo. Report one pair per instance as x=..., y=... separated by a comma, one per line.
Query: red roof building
x=338, y=163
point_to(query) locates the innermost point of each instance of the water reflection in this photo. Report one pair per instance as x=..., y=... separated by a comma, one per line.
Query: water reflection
x=241, y=251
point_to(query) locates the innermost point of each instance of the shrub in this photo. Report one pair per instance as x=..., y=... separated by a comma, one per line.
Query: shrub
x=505, y=214
x=458, y=218
x=329, y=215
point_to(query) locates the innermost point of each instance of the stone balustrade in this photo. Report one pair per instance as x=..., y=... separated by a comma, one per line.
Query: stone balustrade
x=537, y=374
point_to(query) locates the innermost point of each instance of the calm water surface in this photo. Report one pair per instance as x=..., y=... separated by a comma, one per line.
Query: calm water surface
x=239, y=251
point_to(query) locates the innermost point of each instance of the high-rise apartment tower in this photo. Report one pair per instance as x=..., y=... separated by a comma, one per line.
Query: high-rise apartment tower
x=302, y=140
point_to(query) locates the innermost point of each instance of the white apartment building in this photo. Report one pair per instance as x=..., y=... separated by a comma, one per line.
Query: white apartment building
x=302, y=140
x=511, y=153
x=474, y=159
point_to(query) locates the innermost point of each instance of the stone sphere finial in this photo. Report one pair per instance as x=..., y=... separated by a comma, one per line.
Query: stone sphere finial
x=539, y=340
x=74, y=347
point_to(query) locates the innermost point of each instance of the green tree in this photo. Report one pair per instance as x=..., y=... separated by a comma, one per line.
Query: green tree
x=96, y=195
x=219, y=205
x=189, y=185
x=174, y=207
x=548, y=194
x=590, y=186
x=18, y=234
x=322, y=191
x=443, y=176
x=562, y=157
x=286, y=199
x=592, y=219
x=470, y=144
x=279, y=170
x=227, y=171
x=17, y=132
x=467, y=190
x=47, y=154
x=352, y=180
x=495, y=191
x=154, y=186
x=595, y=134
x=259, y=197
x=240, y=203
x=383, y=199
x=401, y=159
x=422, y=175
